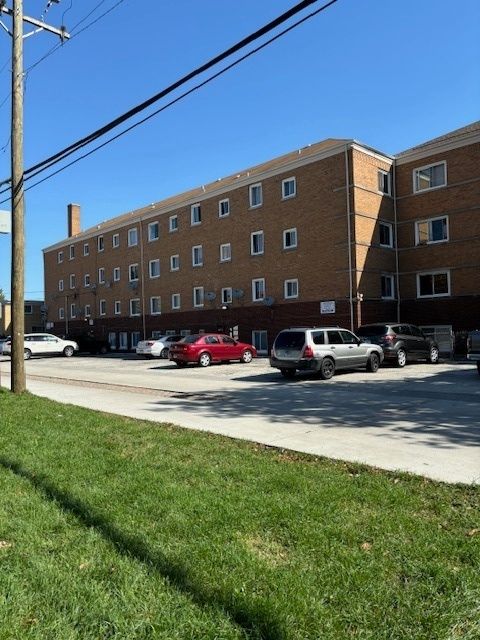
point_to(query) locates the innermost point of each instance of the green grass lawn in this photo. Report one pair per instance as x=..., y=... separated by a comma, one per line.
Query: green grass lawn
x=116, y=528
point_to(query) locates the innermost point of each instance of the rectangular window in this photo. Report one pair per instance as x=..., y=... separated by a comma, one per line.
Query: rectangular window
x=86, y=280
x=175, y=263
x=224, y=208
x=154, y=268
x=116, y=240
x=28, y=309
x=290, y=238
x=432, y=176
x=133, y=273
x=173, y=223
x=135, y=307
x=61, y=313
x=73, y=311
x=135, y=338
x=116, y=274
x=197, y=256
x=60, y=257
x=100, y=243
x=387, y=283
x=60, y=285
x=256, y=243
x=132, y=237
x=112, y=339
x=255, y=195
x=227, y=296
x=195, y=214
x=289, y=188
x=103, y=307
x=290, y=289
x=87, y=311
x=117, y=307
x=71, y=252
x=198, y=296
x=385, y=230
x=432, y=230
x=153, y=231
x=225, y=252
x=436, y=283
x=72, y=281
x=258, y=289
x=86, y=249
x=384, y=182
x=175, y=301
x=155, y=305
x=101, y=275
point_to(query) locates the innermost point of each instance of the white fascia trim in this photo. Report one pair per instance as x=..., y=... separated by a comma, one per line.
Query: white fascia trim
x=439, y=147
x=369, y=151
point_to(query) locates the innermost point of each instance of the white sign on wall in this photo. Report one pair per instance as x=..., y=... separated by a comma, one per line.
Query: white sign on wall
x=5, y=222
x=328, y=306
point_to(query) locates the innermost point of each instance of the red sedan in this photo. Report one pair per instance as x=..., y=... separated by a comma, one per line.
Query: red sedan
x=205, y=348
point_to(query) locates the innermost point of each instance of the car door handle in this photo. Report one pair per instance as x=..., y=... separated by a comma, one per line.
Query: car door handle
x=350, y=347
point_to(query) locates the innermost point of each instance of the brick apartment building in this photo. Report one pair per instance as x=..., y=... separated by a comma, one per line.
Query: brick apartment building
x=334, y=233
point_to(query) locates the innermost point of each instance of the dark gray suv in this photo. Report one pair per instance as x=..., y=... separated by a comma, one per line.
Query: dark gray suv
x=322, y=350
x=401, y=343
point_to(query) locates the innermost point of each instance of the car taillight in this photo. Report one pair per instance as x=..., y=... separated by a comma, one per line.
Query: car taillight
x=390, y=337
x=308, y=352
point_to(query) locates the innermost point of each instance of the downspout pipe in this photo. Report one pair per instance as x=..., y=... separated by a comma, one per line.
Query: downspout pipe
x=349, y=239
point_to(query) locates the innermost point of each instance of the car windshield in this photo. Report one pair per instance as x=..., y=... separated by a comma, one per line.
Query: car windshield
x=290, y=340
x=373, y=330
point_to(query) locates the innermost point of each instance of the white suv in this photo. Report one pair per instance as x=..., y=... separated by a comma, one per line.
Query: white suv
x=42, y=344
x=322, y=350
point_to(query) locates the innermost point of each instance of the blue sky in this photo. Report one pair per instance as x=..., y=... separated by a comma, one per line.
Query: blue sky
x=390, y=74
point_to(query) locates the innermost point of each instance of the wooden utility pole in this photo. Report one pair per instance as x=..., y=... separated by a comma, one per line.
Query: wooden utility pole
x=18, y=380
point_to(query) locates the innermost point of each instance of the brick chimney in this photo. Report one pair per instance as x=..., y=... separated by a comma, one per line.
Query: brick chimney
x=73, y=219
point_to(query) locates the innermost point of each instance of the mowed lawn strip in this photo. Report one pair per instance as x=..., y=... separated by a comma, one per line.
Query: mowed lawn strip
x=117, y=528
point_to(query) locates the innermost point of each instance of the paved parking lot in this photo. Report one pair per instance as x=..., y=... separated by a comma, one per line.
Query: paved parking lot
x=423, y=419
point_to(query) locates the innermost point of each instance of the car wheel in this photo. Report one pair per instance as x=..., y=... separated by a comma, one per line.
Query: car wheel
x=103, y=350
x=401, y=358
x=247, y=356
x=327, y=369
x=288, y=373
x=164, y=353
x=27, y=354
x=373, y=363
x=204, y=360
x=68, y=352
x=433, y=355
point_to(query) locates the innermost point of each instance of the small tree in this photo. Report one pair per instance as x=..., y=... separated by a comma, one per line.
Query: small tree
x=2, y=296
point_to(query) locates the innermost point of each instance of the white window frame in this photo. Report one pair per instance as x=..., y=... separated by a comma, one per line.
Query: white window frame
x=432, y=273
x=100, y=244
x=284, y=184
x=195, y=214
x=87, y=311
x=221, y=213
x=73, y=310
x=251, y=190
x=198, y=248
x=151, y=226
x=101, y=275
x=254, y=289
x=198, y=297
x=71, y=252
x=60, y=285
x=150, y=266
x=391, y=278
x=72, y=281
x=116, y=274
x=176, y=301
x=173, y=223
x=257, y=234
x=416, y=171
x=384, y=174
x=390, y=227
x=286, y=284
x=59, y=257
x=227, y=295
x=132, y=234
x=86, y=249
x=86, y=280
x=131, y=301
x=428, y=221
x=152, y=311
x=130, y=266
x=227, y=250
x=290, y=231
x=117, y=307
x=61, y=313
x=102, y=307
x=175, y=259
x=115, y=240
